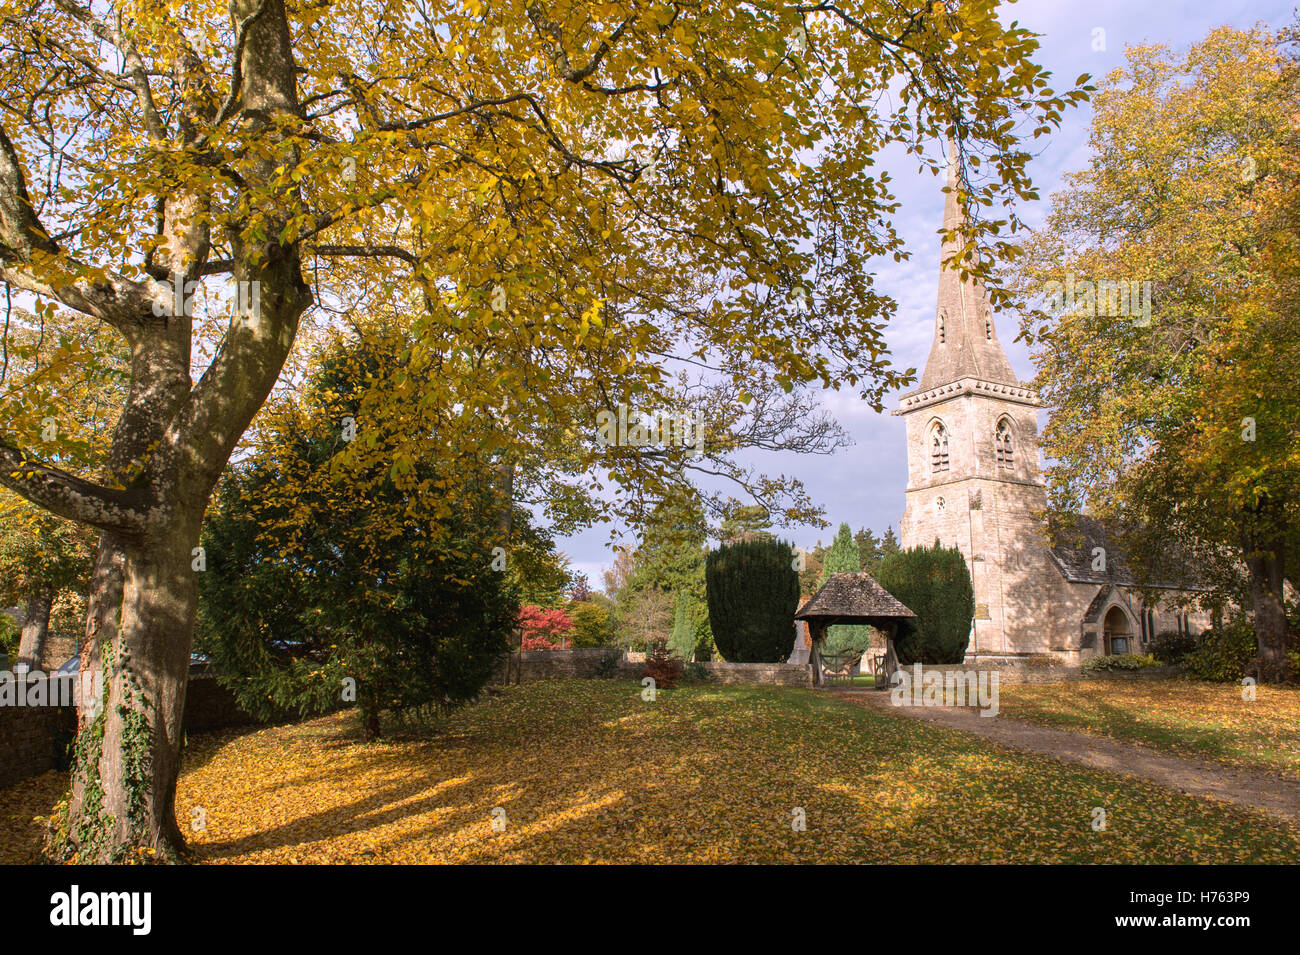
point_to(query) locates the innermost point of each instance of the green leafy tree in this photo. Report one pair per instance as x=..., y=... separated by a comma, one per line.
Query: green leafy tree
x=869, y=552
x=536, y=572
x=682, y=640
x=593, y=623
x=888, y=545
x=9, y=636
x=317, y=593
x=1225, y=652
x=671, y=552
x=41, y=559
x=45, y=560
x=934, y=583
x=746, y=522
x=692, y=637
x=753, y=592
x=704, y=645
x=668, y=563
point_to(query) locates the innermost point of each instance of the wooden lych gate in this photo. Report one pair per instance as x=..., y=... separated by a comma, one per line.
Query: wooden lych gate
x=839, y=668
x=852, y=599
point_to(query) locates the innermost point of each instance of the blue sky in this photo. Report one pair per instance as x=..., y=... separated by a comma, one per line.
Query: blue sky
x=864, y=482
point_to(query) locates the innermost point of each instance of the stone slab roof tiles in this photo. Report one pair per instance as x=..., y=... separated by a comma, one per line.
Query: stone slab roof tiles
x=853, y=595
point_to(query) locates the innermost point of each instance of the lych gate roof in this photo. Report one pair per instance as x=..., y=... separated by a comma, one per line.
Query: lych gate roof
x=853, y=596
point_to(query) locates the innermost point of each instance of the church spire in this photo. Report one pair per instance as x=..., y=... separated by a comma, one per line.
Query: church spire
x=965, y=338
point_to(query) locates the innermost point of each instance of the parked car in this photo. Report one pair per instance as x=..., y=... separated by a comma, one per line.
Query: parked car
x=197, y=661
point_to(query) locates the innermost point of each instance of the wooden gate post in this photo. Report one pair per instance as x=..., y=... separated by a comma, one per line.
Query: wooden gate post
x=891, y=656
x=818, y=631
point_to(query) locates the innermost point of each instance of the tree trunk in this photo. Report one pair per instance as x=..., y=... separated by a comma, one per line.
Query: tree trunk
x=127, y=753
x=36, y=628
x=173, y=436
x=1266, y=562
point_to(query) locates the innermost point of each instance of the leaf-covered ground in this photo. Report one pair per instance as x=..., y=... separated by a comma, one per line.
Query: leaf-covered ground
x=1187, y=718
x=585, y=771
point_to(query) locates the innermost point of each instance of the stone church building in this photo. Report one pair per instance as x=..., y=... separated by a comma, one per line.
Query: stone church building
x=974, y=482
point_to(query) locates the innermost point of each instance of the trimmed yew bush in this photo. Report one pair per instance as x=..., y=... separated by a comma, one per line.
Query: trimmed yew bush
x=753, y=591
x=934, y=583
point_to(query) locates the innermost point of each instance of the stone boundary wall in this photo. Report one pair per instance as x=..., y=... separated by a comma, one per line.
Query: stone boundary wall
x=1146, y=673
x=1023, y=670
x=585, y=664
x=1012, y=670
x=532, y=665
x=210, y=706
x=35, y=739
x=754, y=674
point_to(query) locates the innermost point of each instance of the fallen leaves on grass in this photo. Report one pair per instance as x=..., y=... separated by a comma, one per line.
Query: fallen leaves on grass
x=585, y=771
x=588, y=772
x=1184, y=717
x=24, y=807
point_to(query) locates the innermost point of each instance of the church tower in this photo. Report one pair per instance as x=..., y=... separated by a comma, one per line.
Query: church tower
x=973, y=478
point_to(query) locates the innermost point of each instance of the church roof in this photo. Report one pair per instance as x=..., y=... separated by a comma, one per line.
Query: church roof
x=1074, y=548
x=965, y=336
x=1093, y=612
x=855, y=596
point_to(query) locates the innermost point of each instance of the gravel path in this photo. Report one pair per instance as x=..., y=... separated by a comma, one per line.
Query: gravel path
x=1272, y=794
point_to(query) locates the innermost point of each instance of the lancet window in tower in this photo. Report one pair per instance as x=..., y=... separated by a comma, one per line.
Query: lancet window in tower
x=938, y=447
x=1002, y=444
x=988, y=326
x=943, y=321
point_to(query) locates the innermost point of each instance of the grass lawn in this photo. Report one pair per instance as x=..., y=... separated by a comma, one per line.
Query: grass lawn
x=1199, y=720
x=587, y=772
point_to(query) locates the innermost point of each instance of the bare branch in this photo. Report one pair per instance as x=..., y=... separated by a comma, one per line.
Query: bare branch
x=367, y=251
x=30, y=260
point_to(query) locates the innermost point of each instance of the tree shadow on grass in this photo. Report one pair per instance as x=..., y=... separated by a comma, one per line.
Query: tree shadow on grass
x=594, y=774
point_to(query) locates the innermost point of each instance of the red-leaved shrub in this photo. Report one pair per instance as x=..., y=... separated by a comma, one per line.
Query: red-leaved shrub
x=664, y=666
x=543, y=629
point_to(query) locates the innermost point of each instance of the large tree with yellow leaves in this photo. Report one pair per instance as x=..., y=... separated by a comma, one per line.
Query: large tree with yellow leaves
x=567, y=195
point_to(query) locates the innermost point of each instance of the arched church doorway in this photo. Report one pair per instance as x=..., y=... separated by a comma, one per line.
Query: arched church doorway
x=1118, y=634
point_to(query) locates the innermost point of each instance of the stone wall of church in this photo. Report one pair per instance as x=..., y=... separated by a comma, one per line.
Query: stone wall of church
x=995, y=527
x=1073, y=640
x=1085, y=639
x=1023, y=580
x=971, y=419
x=1166, y=614
x=991, y=514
